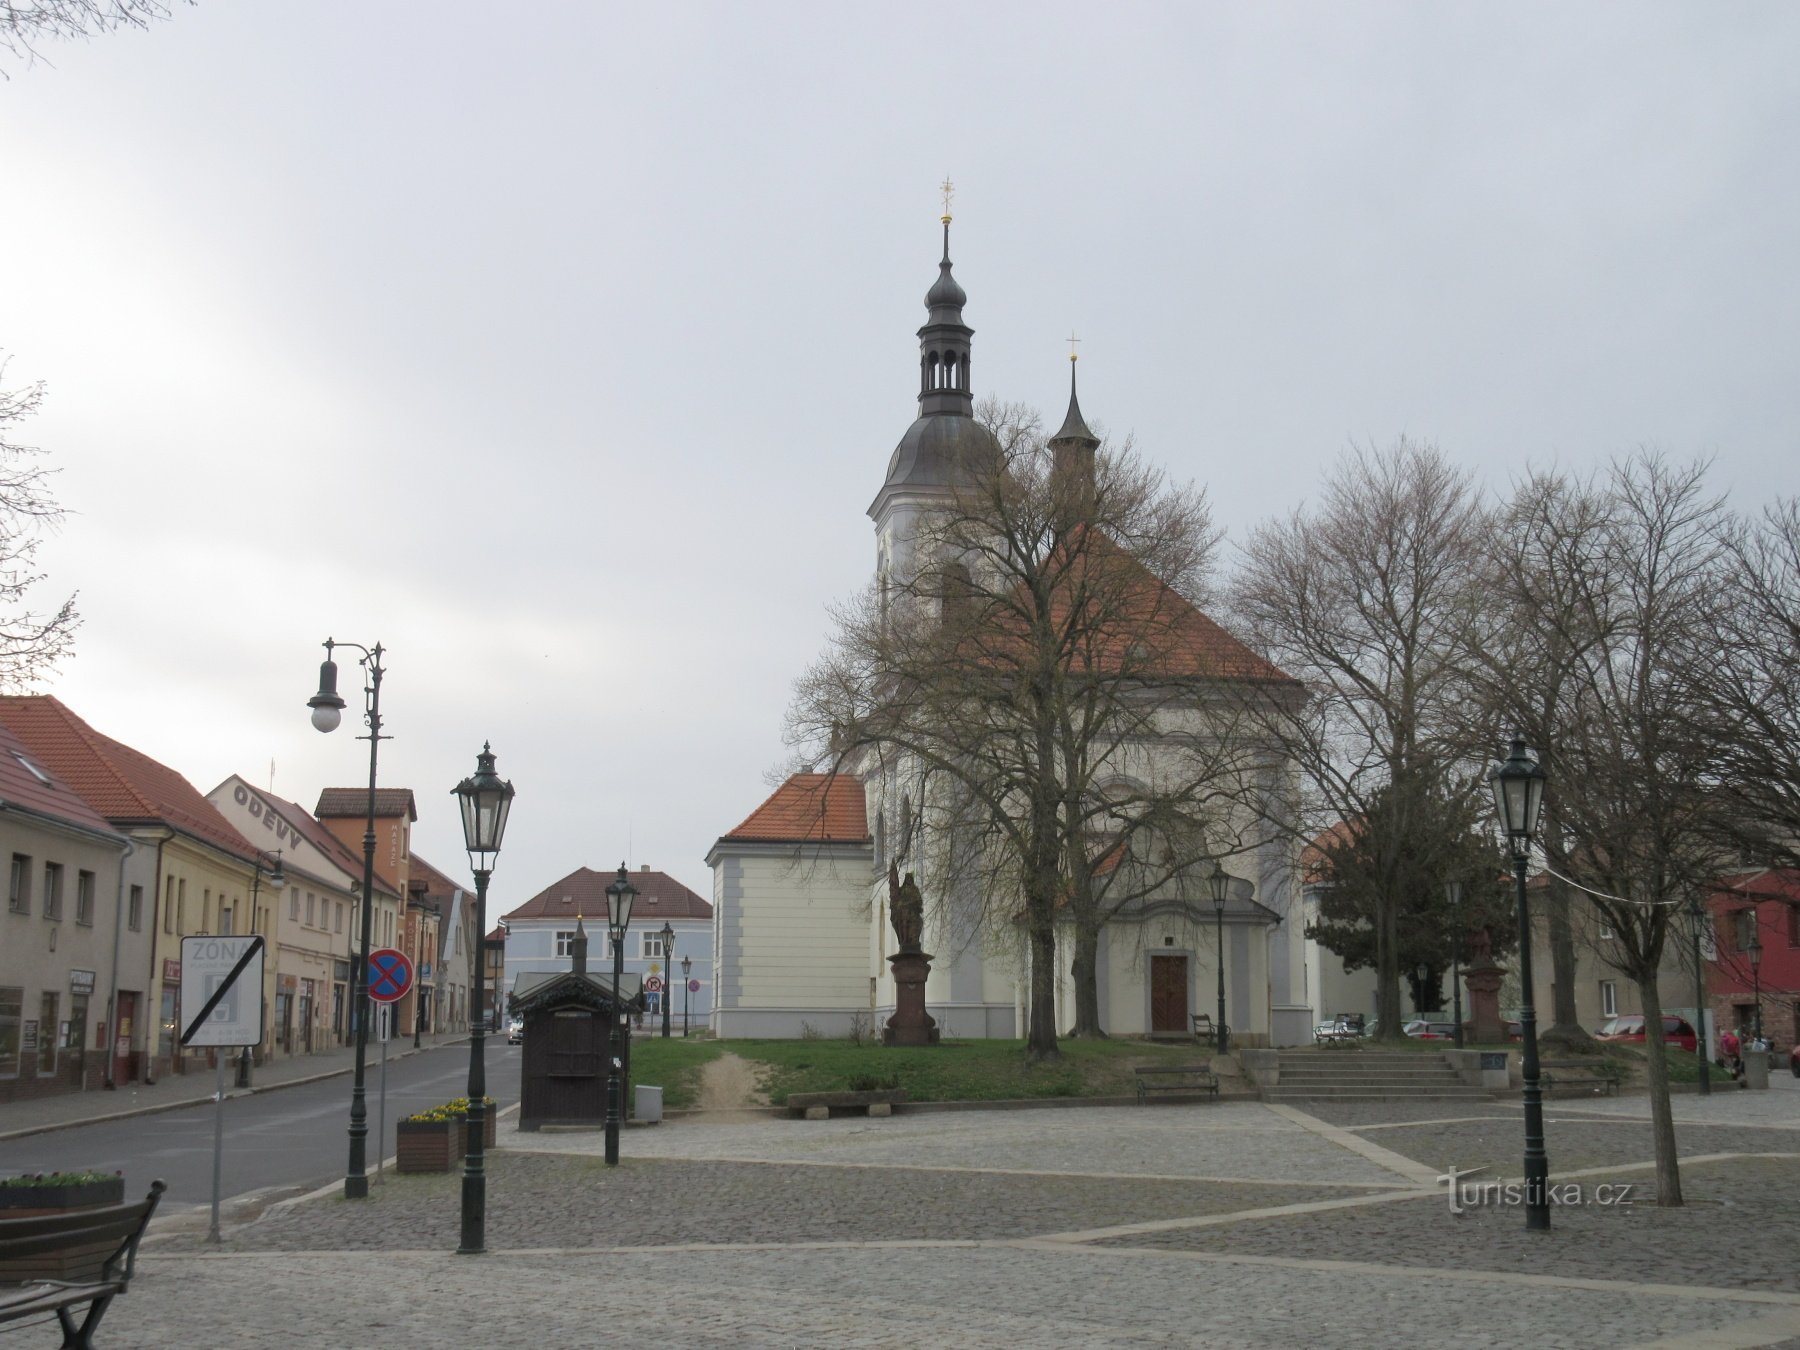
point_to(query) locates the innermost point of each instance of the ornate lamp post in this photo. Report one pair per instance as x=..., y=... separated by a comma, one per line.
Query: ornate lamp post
x=1518, y=786
x=668, y=994
x=1454, y=892
x=1754, y=952
x=619, y=897
x=327, y=712
x=1218, y=883
x=277, y=879
x=687, y=994
x=486, y=802
x=1696, y=917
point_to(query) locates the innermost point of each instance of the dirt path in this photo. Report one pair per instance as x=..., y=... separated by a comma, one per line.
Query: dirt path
x=729, y=1083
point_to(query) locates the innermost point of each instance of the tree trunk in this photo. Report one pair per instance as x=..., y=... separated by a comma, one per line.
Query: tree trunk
x=1040, y=1032
x=1565, y=1022
x=1084, y=971
x=1387, y=973
x=1668, y=1166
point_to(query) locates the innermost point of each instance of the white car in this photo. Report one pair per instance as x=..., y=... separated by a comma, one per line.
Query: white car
x=515, y=1031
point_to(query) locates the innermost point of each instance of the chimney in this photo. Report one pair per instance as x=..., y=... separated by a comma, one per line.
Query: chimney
x=578, y=950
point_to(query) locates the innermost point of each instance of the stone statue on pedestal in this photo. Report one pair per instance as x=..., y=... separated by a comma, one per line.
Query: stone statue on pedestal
x=910, y=1024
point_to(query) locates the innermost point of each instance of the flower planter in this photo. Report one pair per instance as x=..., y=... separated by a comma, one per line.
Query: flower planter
x=23, y=1202
x=437, y=1145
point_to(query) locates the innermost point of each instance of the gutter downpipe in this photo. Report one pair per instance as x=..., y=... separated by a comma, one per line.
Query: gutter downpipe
x=112, y=997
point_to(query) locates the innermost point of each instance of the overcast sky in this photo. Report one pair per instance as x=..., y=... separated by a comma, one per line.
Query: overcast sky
x=561, y=347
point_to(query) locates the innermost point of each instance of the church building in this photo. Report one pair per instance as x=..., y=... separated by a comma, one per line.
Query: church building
x=800, y=886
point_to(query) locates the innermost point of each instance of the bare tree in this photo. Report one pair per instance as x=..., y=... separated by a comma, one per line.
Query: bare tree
x=1371, y=600
x=1042, y=639
x=1636, y=755
x=1757, y=686
x=31, y=641
x=24, y=23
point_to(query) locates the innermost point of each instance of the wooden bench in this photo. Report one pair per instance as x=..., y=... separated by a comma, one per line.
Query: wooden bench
x=1160, y=1078
x=52, y=1263
x=1600, y=1075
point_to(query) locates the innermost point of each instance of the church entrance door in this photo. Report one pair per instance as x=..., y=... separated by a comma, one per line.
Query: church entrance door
x=1168, y=994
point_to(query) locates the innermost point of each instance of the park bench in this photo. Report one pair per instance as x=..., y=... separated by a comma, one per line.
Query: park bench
x=1598, y=1075
x=820, y=1105
x=1160, y=1078
x=53, y=1263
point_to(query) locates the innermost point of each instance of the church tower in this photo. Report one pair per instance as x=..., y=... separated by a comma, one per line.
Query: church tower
x=945, y=442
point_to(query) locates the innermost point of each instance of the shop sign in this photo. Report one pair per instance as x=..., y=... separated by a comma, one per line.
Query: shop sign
x=81, y=981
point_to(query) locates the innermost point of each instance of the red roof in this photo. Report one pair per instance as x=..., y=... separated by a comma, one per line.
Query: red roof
x=26, y=785
x=354, y=802
x=808, y=808
x=124, y=785
x=437, y=885
x=582, y=894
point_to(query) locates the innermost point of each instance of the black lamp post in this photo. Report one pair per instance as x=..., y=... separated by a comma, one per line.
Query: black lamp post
x=668, y=994
x=1696, y=915
x=1218, y=883
x=485, y=802
x=1754, y=952
x=619, y=897
x=687, y=999
x=277, y=879
x=327, y=712
x=1518, y=786
x=1454, y=892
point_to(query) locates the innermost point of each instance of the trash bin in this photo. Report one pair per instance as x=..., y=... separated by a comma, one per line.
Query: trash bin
x=646, y=1102
x=1756, y=1068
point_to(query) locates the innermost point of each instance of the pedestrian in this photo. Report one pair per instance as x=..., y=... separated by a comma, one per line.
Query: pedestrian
x=1729, y=1048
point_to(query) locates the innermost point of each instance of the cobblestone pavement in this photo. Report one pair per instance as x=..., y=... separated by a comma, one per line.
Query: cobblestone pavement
x=1208, y=1225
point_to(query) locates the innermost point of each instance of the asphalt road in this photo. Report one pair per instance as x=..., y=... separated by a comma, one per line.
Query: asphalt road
x=286, y=1140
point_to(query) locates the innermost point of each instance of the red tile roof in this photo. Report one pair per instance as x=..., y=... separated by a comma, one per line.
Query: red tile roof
x=437, y=885
x=354, y=802
x=582, y=894
x=124, y=785
x=810, y=808
x=26, y=785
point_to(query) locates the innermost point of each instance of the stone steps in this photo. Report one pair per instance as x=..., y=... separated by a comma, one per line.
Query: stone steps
x=1374, y=1075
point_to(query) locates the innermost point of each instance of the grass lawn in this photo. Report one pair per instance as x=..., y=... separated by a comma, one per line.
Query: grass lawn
x=674, y=1063
x=959, y=1070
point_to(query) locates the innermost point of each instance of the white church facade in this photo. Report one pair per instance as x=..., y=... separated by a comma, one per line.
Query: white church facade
x=800, y=886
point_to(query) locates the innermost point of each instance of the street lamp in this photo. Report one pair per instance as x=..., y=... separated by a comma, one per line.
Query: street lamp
x=668, y=994
x=1518, y=787
x=619, y=897
x=687, y=994
x=277, y=879
x=1695, y=915
x=327, y=712
x=1218, y=883
x=1754, y=952
x=1453, y=891
x=485, y=802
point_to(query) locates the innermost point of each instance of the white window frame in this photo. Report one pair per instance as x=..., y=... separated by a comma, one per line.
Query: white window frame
x=565, y=942
x=1609, y=998
x=652, y=945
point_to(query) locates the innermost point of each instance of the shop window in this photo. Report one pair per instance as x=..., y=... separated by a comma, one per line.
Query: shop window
x=12, y=1011
x=84, y=898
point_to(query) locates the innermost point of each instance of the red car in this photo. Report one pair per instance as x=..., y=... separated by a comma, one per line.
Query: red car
x=1630, y=1030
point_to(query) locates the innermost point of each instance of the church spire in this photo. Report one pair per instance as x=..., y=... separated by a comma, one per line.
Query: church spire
x=1072, y=447
x=944, y=340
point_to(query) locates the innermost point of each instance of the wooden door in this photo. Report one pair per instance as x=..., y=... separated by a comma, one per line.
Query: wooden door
x=1168, y=994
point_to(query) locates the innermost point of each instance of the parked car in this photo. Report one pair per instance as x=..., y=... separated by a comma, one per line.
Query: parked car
x=1422, y=1030
x=1629, y=1030
x=515, y=1031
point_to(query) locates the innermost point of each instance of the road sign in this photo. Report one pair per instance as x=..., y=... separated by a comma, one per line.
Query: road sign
x=221, y=990
x=653, y=984
x=425, y=970
x=693, y=986
x=390, y=975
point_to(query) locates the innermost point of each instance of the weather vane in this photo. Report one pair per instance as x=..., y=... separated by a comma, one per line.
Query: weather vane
x=949, y=190
x=1073, y=355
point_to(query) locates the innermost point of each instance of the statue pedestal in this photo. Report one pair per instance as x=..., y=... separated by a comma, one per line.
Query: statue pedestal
x=910, y=1024
x=1484, y=1004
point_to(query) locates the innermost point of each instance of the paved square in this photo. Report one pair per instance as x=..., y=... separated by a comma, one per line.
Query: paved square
x=1206, y=1225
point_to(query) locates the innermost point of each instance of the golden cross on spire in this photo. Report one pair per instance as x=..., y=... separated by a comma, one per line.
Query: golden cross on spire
x=949, y=190
x=1073, y=356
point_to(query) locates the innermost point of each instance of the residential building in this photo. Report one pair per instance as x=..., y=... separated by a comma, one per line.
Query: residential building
x=68, y=933
x=203, y=869
x=1763, y=905
x=344, y=812
x=539, y=933
x=453, y=965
